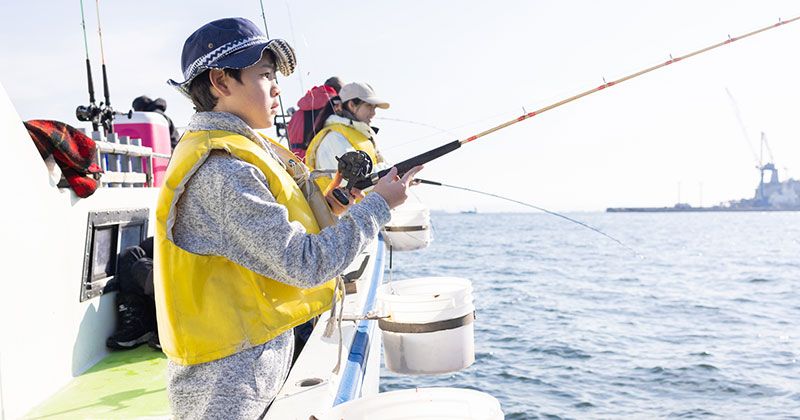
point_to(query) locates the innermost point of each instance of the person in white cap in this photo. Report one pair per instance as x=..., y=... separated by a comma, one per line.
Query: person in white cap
x=348, y=130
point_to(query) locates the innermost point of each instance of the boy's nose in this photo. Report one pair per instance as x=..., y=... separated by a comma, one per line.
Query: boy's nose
x=276, y=90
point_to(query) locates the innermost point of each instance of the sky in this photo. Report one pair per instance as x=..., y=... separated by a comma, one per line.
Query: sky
x=453, y=69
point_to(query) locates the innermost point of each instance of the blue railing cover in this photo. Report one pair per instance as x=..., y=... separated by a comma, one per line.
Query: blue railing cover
x=355, y=368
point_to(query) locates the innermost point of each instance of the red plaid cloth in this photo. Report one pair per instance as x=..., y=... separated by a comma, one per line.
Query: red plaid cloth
x=73, y=151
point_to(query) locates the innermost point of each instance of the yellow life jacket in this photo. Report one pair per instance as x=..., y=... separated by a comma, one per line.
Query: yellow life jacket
x=208, y=306
x=357, y=140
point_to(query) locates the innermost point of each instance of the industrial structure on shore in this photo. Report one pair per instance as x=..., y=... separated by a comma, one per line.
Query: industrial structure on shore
x=770, y=195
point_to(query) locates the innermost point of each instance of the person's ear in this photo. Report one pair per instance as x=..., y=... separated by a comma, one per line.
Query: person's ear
x=219, y=82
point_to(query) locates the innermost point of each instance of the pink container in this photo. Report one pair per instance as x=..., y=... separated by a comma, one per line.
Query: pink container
x=153, y=129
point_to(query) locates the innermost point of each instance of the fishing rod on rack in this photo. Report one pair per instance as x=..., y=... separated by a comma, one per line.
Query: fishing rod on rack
x=408, y=164
x=108, y=113
x=89, y=112
x=102, y=114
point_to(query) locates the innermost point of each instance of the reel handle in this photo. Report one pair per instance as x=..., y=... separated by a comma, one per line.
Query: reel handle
x=337, y=193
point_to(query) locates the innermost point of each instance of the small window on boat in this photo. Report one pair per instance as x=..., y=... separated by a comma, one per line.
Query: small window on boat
x=132, y=235
x=103, y=247
x=108, y=233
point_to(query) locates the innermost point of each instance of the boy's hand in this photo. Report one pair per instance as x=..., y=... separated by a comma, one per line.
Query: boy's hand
x=393, y=189
x=356, y=194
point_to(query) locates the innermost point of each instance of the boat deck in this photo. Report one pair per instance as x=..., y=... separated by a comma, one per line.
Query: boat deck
x=125, y=384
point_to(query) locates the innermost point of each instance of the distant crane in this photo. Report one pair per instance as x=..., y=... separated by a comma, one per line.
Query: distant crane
x=769, y=166
x=759, y=158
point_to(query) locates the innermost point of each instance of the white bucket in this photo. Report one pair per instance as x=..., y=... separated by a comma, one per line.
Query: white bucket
x=420, y=403
x=429, y=329
x=410, y=227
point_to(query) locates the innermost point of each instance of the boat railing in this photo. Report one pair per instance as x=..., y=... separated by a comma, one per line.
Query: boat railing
x=125, y=162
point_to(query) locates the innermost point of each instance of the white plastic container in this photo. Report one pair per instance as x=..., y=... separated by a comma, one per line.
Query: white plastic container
x=410, y=227
x=430, y=328
x=420, y=403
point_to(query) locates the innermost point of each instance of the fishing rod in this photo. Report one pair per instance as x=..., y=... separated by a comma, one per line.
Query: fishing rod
x=107, y=116
x=102, y=56
x=552, y=213
x=280, y=100
x=102, y=114
x=92, y=111
x=432, y=154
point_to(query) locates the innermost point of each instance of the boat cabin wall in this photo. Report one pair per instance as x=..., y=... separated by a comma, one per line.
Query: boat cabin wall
x=48, y=335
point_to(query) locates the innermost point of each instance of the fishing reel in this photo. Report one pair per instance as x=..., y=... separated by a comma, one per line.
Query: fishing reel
x=90, y=113
x=353, y=167
x=99, y=115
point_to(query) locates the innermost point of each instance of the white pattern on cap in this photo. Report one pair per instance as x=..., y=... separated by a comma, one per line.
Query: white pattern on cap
x=285, y=59
x=221, y=52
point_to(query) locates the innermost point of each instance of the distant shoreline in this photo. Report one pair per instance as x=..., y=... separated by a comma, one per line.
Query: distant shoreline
x=691, y=209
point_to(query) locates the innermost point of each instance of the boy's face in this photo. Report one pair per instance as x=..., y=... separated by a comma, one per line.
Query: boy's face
x=255, y=99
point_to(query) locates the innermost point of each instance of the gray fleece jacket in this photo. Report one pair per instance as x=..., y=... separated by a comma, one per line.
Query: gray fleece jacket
x=227, y=209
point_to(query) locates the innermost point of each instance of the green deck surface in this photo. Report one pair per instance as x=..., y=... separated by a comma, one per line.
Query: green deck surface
x=126, y=384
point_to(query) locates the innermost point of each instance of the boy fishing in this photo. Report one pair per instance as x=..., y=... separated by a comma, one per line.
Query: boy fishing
x=240, y=256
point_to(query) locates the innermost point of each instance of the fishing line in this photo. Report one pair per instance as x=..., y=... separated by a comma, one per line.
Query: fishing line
x=743, y=127
x=421, y=124
x=552, y=213
x=280, y=99
x=449, y=131
x=294, y=40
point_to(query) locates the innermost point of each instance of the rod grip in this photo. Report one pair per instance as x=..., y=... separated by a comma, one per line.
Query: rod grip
x=91, y=83
x=105, y=87
x=410, y=163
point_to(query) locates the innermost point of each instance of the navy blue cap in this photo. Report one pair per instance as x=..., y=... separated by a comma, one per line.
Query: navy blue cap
x=233, y=43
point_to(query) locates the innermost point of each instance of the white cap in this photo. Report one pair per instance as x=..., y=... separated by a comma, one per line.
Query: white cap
x=362, y=91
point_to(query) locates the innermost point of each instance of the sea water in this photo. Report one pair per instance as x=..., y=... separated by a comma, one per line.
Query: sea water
x=702, y=321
